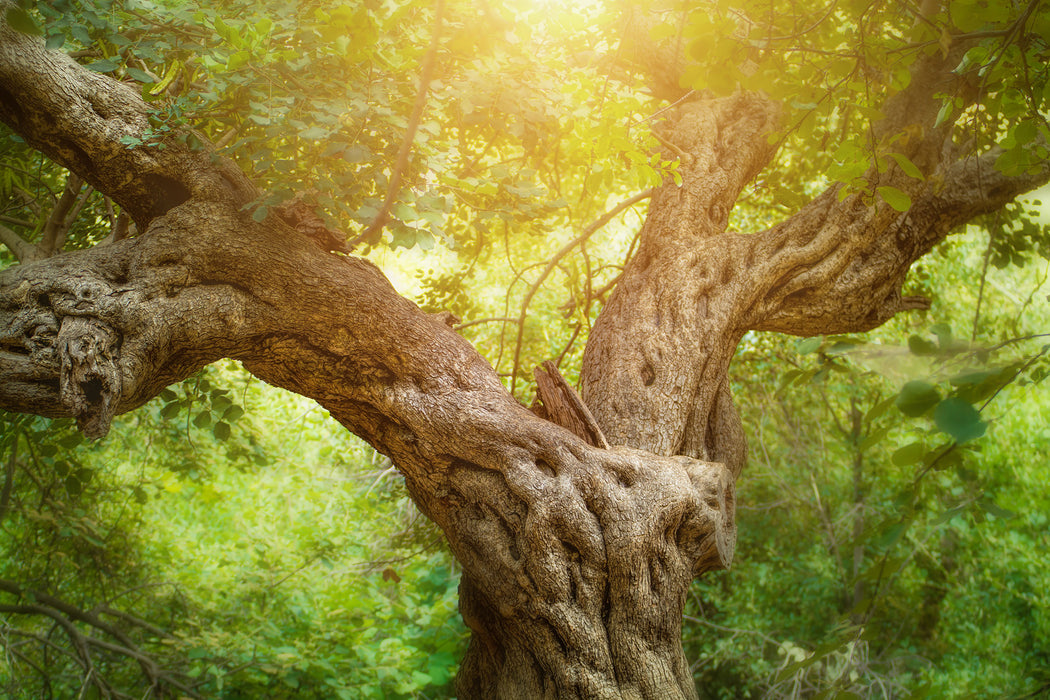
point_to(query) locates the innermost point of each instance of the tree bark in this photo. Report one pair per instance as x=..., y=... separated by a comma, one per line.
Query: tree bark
x=576, y=559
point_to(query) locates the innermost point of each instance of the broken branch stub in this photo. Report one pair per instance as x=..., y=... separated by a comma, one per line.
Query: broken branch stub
x=559, y=403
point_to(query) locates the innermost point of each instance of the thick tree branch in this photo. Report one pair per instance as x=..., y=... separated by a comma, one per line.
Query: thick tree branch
x=654, y=370
x=839, y=267
x=78, y=118
x=62, y=215
x=23, y=250
x=656, y=360
x=559, y=403
x=527, y=506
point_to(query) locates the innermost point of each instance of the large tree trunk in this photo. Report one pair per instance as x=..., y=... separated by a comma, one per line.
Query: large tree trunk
x=576, y=559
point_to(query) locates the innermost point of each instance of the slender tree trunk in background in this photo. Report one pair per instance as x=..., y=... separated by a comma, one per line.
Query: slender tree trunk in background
x=859, y=492
x=576, y=559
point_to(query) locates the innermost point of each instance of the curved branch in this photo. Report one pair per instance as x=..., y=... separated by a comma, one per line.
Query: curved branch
x=838, y=267
x=23, y=250
x=65, y=614
x=82, y=119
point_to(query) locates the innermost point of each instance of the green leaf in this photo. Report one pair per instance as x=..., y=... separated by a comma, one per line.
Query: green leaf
x=1009, y=161
x=874, y=438
x=943, y=331
x=139, y=75
x=233, y=413
x=921, y=346
x=260, y=214
x=203, y=419
x=972, y=377
x=878, y=409
x=55, y=41
x=219, y=403
x=892, y=534
x=81, y=34
x=314, y=133
x=222, y=28
x=909, y=168
x=61, y=468
x=917, y=397
x=808, y=345
x=1025, y=132
x=959, y=419
x=221, y=431
x=238, y=59
x=20, y=21
x=173, y=71
x=944, y=113
x=988, y=505
x=405, y=212
x=909, y=454
x=170, y=410
x=967, y=15
x=106, y=65
x=73, y=486
x=894, y=197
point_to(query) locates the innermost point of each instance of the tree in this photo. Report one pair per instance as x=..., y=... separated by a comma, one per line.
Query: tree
x=580, y=524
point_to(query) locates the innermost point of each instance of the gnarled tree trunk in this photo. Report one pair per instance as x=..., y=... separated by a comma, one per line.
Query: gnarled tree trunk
x=576, y=559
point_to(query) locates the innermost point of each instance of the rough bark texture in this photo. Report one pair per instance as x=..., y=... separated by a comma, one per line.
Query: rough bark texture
x=577, y=559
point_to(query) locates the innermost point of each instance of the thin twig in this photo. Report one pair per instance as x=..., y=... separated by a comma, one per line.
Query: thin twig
x=984, y=276
x=553, y=262
x=479, y=321
x=374, y=231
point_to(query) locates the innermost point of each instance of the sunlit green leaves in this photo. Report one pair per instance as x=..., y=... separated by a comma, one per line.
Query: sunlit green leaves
x=896, y=198
x=971, y=15
x=905, y=164
x=206, y=407
x=808, y=345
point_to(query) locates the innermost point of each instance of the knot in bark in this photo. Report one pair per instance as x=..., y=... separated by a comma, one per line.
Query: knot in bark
x=89, y=379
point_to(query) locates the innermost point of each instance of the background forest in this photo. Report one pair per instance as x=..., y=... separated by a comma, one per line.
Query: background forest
x=233, y=539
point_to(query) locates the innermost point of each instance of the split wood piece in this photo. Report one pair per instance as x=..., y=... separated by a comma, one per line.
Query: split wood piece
x=559, y=403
